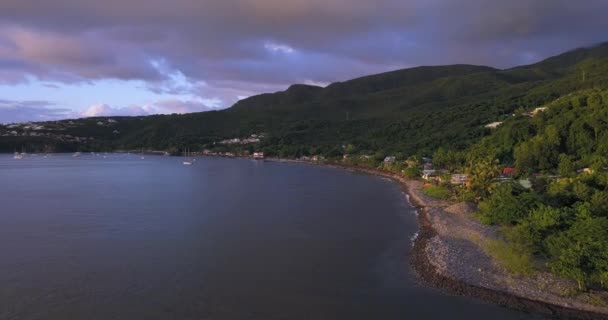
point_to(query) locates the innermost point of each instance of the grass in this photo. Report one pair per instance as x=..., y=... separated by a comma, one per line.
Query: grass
x=437, y=192
x=514, y=260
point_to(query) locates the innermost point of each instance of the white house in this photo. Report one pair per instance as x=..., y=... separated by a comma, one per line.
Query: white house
x=493, y=125
x=389, y=160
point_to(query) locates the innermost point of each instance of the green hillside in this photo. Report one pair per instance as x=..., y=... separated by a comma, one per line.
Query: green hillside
x=411, y=111
x=562, y=220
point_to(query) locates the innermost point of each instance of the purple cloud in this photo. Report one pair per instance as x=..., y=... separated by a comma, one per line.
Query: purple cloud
x=224, y=50
x=23, y=111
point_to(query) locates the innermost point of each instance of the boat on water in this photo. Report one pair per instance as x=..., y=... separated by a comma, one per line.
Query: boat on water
x=19, y=156
x=187, y=160
x=76, y=154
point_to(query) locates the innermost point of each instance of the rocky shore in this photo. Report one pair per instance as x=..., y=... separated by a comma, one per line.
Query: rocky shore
x=449, y=254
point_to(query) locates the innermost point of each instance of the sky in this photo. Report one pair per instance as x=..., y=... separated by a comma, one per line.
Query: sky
x=82, y=58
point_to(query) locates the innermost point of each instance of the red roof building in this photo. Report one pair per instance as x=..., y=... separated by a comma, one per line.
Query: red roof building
x=508, y=171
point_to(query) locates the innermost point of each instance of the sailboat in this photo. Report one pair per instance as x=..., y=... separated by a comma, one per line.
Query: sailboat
x=187, y=161
x=142, y=154
x=18, y=156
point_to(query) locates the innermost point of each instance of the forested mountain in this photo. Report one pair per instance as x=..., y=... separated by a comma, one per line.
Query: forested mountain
x=411, y=111
x=548, y=137
x=562, y=216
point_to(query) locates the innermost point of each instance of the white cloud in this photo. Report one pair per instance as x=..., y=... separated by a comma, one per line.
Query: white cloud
x=181, y=106
x=277, y=47
x=104, y=110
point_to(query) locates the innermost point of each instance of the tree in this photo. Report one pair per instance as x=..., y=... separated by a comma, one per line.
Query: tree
x=566, y=166
x=506, y=206
x=581, y=252
x=483, y=174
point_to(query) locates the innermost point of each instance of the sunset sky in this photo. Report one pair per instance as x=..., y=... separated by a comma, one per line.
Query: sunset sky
x=78, y=58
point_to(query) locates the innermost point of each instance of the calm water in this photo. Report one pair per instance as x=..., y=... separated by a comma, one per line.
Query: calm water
x=125, y=238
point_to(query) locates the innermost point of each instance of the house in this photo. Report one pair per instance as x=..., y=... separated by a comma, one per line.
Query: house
x=389, y=160
x=427, y=166
x=508, y=171
x=525, y=183
x=585, y=170
x=493, y=125
x=428, y=174
x=258, y=155
x=538, y=110
x=460, y=179
x=316, y=158
x=345, y=157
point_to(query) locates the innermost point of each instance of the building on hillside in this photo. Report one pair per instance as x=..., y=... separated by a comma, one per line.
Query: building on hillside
x=428, y=174
x=460, y=179
x=389, y=160
x=536, y=111
x=493, y=125
x=525, y=183
x=585, y=170
x=258, y=155
x=509, y=171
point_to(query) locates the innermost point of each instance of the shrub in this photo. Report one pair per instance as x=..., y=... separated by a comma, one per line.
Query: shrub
x=514, y=260
x=437, y=192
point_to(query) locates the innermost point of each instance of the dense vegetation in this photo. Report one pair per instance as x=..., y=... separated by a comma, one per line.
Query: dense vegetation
x=553, y=207
x=563, y=218
x=411, y=111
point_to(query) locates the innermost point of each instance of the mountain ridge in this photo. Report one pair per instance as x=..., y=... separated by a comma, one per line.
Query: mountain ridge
x=414, y=110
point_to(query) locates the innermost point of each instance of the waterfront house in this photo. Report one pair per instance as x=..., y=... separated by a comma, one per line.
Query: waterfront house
x=258, y=155
x=428, y=174
x=460, y=179
x=389, y=160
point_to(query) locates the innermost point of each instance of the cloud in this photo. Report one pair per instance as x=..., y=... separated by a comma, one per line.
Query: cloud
x=104, y=110
x=168, y=106
x=180, y=106
x=23, y=111
x=68, y=58
x=226, y=49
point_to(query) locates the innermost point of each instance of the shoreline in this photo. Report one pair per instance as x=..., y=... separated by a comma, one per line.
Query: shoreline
x=431, y=275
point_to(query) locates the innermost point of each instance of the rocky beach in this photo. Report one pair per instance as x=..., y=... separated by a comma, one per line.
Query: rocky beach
x=449, y=254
